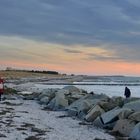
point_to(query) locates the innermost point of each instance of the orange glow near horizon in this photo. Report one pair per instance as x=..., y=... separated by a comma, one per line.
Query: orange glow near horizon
x=76, y=59
x=90, y=68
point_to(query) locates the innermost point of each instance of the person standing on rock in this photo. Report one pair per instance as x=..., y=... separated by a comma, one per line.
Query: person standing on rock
x=127, y=92
x=1, y=87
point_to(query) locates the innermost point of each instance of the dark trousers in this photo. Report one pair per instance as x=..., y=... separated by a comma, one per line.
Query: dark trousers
x=0, y=96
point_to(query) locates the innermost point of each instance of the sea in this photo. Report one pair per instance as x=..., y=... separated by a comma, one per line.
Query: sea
x=109, y=85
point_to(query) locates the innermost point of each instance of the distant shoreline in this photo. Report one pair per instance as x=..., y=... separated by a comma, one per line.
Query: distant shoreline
x=89, y=84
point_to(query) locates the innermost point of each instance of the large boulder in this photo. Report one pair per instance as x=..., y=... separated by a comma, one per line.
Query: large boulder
x=125, y=114
x=72, y=89
x=124, y=127
x=62, y=92
x=84, y=104
x=71, y=97
x=60, y=98
x=135, y=134
x=98, y=122
x=107, y=105
x=135, y=117
x=74, y=93
x=135, y=105
x=26, y=95
x=72, y=112
x=99, y=97
x=44, y=100
x=64, y=97
x=59, y=101
x=93, y=113
x=131, y=99
x=50, y=93
x=112, y=115
x=79, y=106
x=51, y=104
x=119, y=101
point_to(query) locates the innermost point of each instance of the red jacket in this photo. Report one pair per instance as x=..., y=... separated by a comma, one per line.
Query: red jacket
x=1, y=86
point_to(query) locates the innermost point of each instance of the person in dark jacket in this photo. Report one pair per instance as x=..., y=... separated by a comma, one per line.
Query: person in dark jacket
x=127, y=92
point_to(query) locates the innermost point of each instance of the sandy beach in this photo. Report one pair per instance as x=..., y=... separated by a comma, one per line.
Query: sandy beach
x=22, y=120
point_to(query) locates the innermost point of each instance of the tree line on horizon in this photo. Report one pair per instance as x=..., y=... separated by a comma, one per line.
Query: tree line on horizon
x=33, y=71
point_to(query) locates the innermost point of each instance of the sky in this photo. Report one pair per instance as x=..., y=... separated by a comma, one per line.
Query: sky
x=94, y=37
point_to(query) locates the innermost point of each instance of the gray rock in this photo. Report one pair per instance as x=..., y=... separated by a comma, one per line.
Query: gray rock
x=125, y=114
x=70, y=99
x=124, y=127
x=59, y=102
x=81, y=115
x=73, y=97
x=135, y=105
x=77, y=95
x=72, y=89
x=101, y=97
x=98, y=122
x=85, y=103
x=63, y=92
x=135, y=116
x=72, y=112
x=131, y=99
x=47, y=92
x=80, y=105
x=85, y=106
x=135, y=134
x=107, y=105
x=112, y=115
x=44, y=100
x=74, y=93
x=51, y=104
x=109, y=126
x=119, y=101
x=93, y=113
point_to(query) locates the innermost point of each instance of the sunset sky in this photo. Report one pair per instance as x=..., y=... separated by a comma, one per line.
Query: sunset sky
x=94, y=37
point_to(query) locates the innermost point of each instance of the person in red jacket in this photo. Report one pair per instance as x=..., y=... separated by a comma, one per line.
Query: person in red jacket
x=1, y=87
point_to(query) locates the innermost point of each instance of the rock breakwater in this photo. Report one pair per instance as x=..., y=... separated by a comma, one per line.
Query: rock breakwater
x=117, y=115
